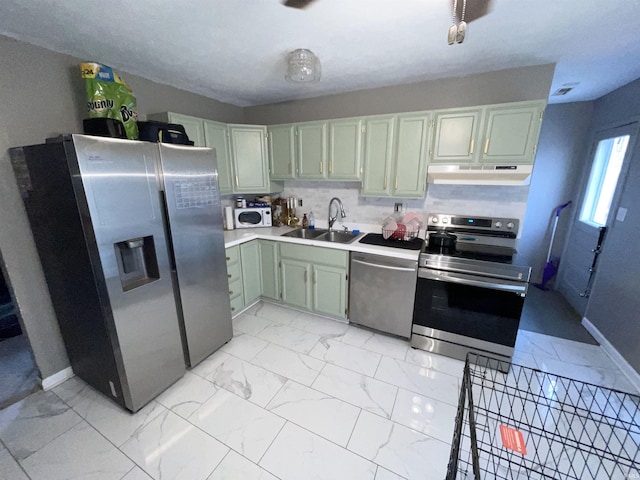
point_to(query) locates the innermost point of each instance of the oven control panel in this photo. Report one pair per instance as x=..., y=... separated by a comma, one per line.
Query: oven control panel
x=488, y=224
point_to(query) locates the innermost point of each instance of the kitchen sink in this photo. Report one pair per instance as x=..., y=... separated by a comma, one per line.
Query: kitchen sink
x=337, y=237
x=305, y=233
x=322, y=235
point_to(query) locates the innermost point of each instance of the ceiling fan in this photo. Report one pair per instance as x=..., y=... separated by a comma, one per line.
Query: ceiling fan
x=297, y=3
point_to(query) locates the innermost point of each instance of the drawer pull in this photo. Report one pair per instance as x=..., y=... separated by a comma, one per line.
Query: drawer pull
x=228, y=258
x=228, y=275
x=230, y=292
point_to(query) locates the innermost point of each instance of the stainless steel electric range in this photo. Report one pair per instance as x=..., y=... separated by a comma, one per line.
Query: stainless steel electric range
x=470, y=290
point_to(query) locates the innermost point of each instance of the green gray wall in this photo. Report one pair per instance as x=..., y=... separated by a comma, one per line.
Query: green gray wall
x=513, y=85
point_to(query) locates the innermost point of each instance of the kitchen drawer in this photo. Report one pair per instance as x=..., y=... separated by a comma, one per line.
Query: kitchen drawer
x=304, y=253
x=233, y=255
x=235, y=288
x=233, y=272
x=236, y=305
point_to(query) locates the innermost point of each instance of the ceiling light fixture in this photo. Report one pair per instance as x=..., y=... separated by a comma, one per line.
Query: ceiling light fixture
x=303, y=66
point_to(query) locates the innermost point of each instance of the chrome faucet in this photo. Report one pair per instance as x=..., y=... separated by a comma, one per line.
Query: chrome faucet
x=332, y=220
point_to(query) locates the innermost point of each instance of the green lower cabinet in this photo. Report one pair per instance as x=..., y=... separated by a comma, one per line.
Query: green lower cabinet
x=296, y=289
x=234, y=274
x=270, y=258
x=315, y=278
x=251, y=271
x=329, y=291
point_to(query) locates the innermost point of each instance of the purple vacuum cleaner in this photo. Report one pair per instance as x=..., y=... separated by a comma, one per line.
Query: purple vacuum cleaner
x=551, y=266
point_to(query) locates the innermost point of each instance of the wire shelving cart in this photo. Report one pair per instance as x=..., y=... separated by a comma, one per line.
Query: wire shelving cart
x=515, y=422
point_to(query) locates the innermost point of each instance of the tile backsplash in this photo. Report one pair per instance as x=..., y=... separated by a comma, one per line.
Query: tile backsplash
x=480, y=200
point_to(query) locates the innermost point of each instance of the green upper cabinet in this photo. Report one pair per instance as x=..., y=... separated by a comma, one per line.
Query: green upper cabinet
x=511, y=132
x=493, y=134
x=378, y=151
x=312, y=150
x=282, y=151
x=345, y=149
x=395, y=162
x=250, y=159
x=216, y=136
x=456, y=135
x=411, y=154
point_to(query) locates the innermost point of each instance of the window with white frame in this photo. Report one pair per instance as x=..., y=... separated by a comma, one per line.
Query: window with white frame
x=607, y=164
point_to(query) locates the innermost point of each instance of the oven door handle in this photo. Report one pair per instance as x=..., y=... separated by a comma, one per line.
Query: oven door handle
x=386, y=267
x=472, y=280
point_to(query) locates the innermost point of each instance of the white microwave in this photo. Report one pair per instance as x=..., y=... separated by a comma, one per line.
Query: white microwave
x=252, y=217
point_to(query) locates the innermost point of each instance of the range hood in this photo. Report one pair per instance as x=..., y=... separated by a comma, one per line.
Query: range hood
x=479, y=174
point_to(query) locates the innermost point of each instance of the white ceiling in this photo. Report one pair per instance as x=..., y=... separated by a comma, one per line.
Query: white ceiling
x=234, y=50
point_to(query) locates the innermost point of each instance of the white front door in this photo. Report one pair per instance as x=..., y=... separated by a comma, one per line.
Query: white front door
x=610, y=154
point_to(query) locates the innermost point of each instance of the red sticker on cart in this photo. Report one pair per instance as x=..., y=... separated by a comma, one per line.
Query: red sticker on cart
x=513, y=439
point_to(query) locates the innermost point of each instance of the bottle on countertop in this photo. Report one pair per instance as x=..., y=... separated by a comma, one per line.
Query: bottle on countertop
x=305, y=221
x=311, y=220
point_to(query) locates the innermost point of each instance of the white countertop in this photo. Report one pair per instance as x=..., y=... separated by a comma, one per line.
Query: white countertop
x=238, y=236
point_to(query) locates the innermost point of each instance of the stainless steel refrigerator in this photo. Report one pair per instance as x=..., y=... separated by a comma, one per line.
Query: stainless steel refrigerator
x=131, y=242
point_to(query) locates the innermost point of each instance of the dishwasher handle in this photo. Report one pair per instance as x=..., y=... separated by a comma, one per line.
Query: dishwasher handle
x=386, y=267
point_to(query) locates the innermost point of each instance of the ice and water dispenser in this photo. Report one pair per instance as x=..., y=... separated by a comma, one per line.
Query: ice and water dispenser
x=137, y=262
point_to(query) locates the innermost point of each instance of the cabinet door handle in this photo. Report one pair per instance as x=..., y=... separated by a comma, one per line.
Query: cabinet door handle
x=228, y=258
x=395, y=185
x=321, y=167
x=315, y=277
x=385, y=183
x=228, y=274
x=237, y=183
x=486, y=145
x=471, y=146
x=305, y=276
x=230, y=292
x=331, y=166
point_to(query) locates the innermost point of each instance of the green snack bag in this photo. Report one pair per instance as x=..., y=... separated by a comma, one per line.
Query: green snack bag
x=109, y=96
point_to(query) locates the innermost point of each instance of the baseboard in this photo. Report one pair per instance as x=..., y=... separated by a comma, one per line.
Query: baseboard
x=614, y=355
x=57, y=378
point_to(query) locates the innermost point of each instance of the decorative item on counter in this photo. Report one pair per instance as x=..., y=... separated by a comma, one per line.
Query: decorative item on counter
x=305, y=221
x=401, y=226
x=108, y=96
x=312, y=221
x=241, y=202
x=276, y=215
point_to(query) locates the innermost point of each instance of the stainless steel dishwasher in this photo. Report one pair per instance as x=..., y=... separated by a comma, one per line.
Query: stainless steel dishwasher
x=381, y=292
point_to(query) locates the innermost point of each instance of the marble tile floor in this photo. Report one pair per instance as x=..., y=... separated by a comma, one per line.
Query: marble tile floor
x=292, y=396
